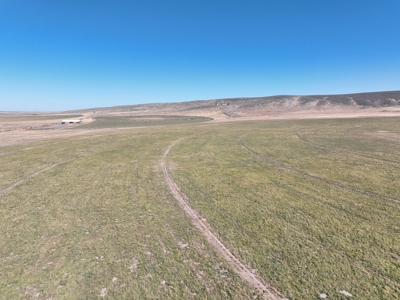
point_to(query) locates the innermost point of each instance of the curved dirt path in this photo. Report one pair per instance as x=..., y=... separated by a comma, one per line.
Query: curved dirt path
x=343, y=150
x=294, y=170
x=243, y=271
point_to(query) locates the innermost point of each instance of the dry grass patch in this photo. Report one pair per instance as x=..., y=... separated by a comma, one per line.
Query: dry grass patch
x=304, y=236
x=106, y=214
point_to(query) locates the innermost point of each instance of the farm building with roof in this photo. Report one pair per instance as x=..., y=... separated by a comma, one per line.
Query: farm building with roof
x=71, y=122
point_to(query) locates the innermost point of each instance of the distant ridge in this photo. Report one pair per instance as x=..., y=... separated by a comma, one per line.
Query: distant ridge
x=356, y=100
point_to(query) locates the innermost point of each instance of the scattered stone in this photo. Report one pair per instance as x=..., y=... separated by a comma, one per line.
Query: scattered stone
x=346, y=293
x=134, y=264
x=323, y=296
x=103, y=292
x=182, y=245
x=114, y=279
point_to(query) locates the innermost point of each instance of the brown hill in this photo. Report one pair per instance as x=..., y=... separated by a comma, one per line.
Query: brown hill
x=257, y=106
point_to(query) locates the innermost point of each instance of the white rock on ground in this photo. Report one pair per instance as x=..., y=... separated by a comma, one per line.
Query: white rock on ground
x=346, y=293
x=103, y=292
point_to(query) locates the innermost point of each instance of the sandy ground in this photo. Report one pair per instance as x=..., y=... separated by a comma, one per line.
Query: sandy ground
x=18, y=132
x=12, y=133
x=299, y=114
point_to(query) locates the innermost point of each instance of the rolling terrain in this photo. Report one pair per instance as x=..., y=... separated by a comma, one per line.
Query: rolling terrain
x=269, y=106
x=146, y=203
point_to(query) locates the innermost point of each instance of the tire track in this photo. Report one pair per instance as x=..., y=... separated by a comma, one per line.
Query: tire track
x=89, y=151
x=343, y=150
x=240, y=269
x=30, y=176
x=294, y=170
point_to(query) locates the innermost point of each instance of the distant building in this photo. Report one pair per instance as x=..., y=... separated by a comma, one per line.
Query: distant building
x=71, y=122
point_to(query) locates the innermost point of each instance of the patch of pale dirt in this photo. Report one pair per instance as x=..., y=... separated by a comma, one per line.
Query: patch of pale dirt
x=103, y=292
x=134, y=265
x=242, y=270
x=182, y=245
x=18, y=132
x=262, y=113
x=34, y=292
x=346, y=293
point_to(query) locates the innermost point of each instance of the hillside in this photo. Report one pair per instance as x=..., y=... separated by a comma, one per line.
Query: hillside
x=236, y=107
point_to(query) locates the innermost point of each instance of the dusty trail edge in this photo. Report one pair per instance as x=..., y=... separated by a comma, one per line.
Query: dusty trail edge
x=243, y=271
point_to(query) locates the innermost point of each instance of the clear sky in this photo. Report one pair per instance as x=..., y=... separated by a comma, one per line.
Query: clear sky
x=58, y=55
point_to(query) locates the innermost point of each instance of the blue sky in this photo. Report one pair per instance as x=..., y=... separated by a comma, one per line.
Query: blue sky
x=59, y=55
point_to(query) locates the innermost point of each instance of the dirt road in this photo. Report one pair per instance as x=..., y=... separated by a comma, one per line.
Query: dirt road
x=243, y=271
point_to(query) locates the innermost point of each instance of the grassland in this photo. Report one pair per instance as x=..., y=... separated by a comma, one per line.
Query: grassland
x=142, y=121
x=104, y=219
x=310, y=218
x=40, y=117
x=313, y=206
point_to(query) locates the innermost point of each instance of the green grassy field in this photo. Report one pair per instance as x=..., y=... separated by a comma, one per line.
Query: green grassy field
x=140, y=121
x=312, y=205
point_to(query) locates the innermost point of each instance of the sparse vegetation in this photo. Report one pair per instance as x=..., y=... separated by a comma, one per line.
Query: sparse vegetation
x=103, y=222
x=304, y=235
x=39, y=117
x=311, y=205
x=140, y=121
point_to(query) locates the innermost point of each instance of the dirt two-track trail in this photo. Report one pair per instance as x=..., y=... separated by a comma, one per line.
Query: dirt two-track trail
x=30, y=176
x=242, y=270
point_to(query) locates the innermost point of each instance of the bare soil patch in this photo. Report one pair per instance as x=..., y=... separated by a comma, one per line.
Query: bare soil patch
x=20, y=130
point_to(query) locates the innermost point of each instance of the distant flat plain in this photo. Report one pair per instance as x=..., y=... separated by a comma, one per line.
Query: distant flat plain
x=310, y=206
